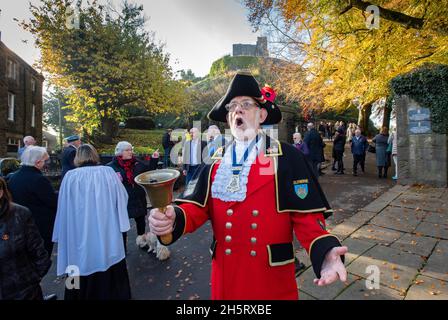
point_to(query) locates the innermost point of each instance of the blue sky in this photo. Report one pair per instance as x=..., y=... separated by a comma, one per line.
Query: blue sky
x=196, y=32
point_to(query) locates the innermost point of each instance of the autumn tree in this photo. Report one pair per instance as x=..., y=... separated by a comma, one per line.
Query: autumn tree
x=342, y=60
x=106, y=60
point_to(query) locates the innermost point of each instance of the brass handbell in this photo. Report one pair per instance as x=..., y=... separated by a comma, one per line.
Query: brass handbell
x=159, y=185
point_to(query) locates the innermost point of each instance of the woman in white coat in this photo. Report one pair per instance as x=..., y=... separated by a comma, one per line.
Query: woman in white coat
x=91, y=217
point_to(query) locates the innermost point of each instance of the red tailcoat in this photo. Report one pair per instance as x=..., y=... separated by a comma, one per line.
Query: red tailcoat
x=253, y=256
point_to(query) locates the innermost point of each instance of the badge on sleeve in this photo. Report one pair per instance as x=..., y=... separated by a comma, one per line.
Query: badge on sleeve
x=301, y=188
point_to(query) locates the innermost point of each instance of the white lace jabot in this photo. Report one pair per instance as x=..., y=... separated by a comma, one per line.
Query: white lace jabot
x=224, y=172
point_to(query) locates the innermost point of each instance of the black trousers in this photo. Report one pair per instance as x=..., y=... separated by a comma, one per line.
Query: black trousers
x=339, y=156
x=140, y=222
x=380, y=172
x=358, y=159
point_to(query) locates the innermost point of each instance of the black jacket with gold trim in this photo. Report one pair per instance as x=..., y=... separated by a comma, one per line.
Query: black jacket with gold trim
x=297, y=187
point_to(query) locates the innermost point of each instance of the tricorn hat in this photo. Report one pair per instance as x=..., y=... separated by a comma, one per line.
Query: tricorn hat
x=244, y=84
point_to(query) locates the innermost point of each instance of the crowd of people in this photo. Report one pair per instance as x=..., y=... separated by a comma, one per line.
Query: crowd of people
x=312, y=145
x=89, y=217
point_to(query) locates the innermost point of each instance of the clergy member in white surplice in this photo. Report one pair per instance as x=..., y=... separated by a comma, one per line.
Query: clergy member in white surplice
x=91, y=217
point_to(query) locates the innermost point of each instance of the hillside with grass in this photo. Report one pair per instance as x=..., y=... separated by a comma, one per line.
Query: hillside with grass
x=144, y=141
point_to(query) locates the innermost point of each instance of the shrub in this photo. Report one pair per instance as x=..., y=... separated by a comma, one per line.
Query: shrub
x=140, y=122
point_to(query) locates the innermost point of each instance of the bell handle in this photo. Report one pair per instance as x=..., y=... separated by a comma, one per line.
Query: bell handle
x=167, y=238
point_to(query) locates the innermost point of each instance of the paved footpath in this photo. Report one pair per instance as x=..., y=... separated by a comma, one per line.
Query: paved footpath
x=370, y=229
x=403, y=235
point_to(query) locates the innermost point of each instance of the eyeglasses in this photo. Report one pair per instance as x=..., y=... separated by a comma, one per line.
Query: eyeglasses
x=245, y=105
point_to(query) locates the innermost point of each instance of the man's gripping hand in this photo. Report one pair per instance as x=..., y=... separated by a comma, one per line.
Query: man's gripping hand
x=161, y=223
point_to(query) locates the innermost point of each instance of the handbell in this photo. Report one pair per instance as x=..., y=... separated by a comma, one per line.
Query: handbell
x=158, y=185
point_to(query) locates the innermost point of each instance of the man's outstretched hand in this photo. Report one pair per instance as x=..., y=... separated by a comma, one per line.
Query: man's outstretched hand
x=332, y=267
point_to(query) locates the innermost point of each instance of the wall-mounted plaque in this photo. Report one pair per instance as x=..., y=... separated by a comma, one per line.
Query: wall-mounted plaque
x=420, y=114
x=419, y=121
x=419, y=127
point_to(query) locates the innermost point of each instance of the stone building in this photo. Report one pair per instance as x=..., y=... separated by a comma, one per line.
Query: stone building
x=258, y=50
x=20, y=102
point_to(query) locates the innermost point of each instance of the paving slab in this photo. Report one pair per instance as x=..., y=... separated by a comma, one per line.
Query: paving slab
x=305, y=296
x=344, y=229
x=426, y=288
x=398, y=188
x=376, y=234
x=436, y=217
x=356, y=247
x=361, y=217
x=398, y=219
x=303, y=256
x=359, y=291
x=426, y=191
x=420, y=202
x=397, y=268
x=381, y=202
x=437, y=265
x=306, y=285
x=415, y=244
x=432, y=230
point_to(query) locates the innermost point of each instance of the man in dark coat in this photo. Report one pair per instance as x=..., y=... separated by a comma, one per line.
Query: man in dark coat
x=315, y=145
x=358, y=145
x=338, y=149
x=69, y=153
x=167, y=145
x=31, y=189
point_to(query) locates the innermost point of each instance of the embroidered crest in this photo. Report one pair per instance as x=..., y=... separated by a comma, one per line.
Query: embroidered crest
x=301, y=188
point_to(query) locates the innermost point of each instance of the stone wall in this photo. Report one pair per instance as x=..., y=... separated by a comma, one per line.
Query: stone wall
x=25, y=98
x=422, y=157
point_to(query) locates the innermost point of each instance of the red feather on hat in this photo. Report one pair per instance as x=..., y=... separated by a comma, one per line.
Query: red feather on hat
x=268, y=93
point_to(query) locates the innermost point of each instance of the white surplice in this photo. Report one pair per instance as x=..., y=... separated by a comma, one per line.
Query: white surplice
x=91, y=216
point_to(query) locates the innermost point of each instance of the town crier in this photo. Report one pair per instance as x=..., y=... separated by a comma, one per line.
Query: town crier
x=256, y=192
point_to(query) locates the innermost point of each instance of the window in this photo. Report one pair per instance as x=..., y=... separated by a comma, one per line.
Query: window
x=13, y=141
x=33, y=116
x=13, y=145
x=11, y=106
x=12, y=69
x=33, y=85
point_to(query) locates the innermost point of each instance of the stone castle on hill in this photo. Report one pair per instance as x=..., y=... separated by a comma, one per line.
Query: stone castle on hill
x=258, y=50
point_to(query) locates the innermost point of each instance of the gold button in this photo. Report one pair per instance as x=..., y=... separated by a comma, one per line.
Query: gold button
x=228, y=251
x=229, y=225
x=253, y=253
x=229, y=212
x=254, y=226
x=255, y=213
x=228, y=238
x=253, y=240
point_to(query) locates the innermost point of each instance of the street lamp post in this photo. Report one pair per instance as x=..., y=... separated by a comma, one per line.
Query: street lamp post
x=60, y=123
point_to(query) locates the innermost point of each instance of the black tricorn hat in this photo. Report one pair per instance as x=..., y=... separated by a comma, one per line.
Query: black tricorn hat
x=244, y=84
